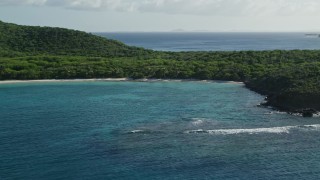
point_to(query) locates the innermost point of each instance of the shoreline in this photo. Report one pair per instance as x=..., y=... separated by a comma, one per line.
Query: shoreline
x=301, y=112
x=115, y=80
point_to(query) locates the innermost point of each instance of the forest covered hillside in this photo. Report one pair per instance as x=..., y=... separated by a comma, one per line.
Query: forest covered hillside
x=18, y=40
x=290, y=79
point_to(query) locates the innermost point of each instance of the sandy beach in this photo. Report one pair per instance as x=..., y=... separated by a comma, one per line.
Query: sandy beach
x=115, y=80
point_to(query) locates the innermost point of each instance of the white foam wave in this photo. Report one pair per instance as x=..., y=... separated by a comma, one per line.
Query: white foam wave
x=137, y=131
x=316, y=115
x=197, y=121
x=273, y=130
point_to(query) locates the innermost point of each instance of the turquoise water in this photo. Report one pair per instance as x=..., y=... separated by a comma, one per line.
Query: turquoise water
x=158, y=130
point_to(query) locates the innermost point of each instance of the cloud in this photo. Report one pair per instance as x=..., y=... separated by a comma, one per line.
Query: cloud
x=194, y=7
x=22, y=2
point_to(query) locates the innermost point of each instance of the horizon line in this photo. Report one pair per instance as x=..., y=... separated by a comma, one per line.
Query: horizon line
x=311, y=32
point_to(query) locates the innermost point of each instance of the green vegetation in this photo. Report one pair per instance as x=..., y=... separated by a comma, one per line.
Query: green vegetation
x=289, y=78
x=18, y=40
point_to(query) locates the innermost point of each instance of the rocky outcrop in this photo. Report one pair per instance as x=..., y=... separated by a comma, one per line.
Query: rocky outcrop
x=307, y=104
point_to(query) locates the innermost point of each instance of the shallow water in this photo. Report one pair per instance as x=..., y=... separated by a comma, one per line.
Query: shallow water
x=143, y=130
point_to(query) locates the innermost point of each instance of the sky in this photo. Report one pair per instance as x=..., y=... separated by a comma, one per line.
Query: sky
x=166, y=15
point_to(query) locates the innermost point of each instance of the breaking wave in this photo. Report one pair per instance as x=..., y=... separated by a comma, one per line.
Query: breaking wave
x=198, y=121
x=273, y=130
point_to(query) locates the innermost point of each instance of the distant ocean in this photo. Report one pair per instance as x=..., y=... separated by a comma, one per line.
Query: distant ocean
x=206, y=41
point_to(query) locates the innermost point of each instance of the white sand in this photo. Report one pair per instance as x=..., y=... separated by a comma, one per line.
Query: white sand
x=115, y=80
x=61, y=80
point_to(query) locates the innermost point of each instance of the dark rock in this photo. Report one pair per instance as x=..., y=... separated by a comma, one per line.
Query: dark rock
x=308, y=112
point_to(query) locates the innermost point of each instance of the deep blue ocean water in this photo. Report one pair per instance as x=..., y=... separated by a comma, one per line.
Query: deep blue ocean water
x=206, y=41
x=144, y=130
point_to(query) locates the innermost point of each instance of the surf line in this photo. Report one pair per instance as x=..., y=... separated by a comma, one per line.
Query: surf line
x=274, y=130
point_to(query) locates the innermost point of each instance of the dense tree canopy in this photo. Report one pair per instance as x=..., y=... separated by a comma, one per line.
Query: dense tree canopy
x=30, y=40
